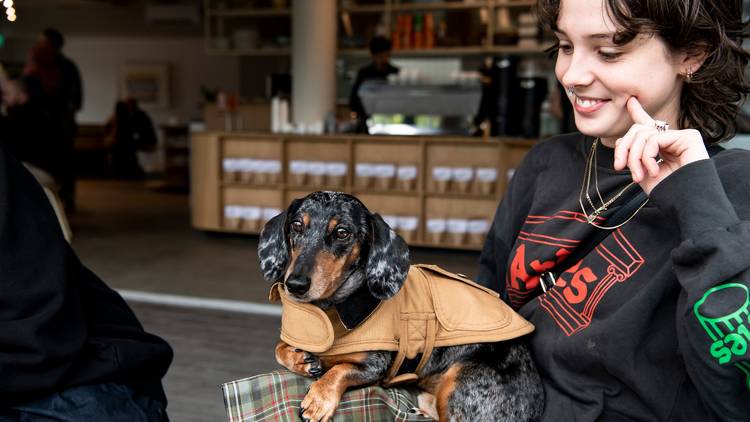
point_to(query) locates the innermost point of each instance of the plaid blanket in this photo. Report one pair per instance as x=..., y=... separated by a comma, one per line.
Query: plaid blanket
x=276, y=397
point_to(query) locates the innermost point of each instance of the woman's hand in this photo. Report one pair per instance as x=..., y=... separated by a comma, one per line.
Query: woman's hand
x=643, y=145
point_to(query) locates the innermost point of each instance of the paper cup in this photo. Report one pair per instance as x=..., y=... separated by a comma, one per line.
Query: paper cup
x=461, y=179
x=335, y=174
x=407, y=227
x=477, y=230
x=316, y=174
x=230, y=169
x=435, y=230
x=273, y=169
x=363, y=175
x=384, y=176
x=406, y=177
x=298, y=170
x=457, y=228
x=441, y=178
x=251, y=218
x=486, y=179
x=232, y=217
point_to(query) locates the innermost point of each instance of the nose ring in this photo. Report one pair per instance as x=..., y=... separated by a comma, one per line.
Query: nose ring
x=570, y=90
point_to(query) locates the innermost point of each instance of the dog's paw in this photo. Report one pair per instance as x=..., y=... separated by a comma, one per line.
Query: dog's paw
x=300, y=362
x=320, y=403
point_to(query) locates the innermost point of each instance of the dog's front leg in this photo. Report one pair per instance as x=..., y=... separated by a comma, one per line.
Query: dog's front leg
x=298, y=361
x=341, y=373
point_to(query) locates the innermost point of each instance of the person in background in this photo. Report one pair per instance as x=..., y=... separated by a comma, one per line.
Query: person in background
x=30, y=127
x=129, y=130
x=70, y=101
x=380, y=68
x=70, y=347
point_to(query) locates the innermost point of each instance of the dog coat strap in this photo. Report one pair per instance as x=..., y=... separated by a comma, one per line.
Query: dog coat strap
x=403, y=344
x=432, y=329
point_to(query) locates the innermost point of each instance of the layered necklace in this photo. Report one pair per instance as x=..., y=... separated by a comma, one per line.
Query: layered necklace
x=586, y=188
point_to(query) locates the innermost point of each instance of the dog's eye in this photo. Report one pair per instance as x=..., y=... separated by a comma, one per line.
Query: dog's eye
x=342, y=233
x=297, y=226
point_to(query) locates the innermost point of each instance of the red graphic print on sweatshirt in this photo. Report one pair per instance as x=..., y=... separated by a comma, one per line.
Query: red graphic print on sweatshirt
x=578, y=291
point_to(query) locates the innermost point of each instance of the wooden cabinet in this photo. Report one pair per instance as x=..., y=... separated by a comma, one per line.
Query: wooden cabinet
x=454, y=27
x=436, y=192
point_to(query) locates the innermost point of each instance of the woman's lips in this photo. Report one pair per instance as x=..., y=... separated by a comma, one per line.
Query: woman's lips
x=587, y=104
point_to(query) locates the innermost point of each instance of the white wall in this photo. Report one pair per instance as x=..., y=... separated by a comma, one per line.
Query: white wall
x=99, y=60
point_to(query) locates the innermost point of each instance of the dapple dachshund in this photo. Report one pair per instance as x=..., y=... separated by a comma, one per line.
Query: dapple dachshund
x=324, y=248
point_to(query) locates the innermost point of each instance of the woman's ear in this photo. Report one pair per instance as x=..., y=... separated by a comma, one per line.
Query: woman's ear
x=690, y=62
x=388, y=261
x=273, y=248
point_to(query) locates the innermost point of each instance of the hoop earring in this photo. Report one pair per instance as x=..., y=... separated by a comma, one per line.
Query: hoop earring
x=689, y=74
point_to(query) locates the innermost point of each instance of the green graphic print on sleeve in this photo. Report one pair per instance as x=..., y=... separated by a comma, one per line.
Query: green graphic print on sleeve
x=730, y=333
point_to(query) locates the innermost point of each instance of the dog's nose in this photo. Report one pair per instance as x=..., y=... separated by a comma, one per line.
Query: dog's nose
x=297, y=284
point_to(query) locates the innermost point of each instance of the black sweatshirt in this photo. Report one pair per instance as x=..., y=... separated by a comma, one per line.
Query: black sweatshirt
x=60, y=325
x=653, y=323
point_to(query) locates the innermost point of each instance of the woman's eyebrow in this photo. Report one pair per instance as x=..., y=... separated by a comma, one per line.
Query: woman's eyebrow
x=599, y=36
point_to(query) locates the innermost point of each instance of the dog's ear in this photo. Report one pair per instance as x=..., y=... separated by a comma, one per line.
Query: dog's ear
x=388, y=260
x=273, y=248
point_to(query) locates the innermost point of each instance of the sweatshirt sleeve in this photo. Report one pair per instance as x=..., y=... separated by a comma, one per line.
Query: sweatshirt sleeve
x=712, y=265
x=509, y=216
x=41, y=323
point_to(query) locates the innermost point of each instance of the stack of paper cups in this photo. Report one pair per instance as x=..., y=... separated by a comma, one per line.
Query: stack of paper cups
x=407, y=227
x=486, y=180
x=435, y=229
x=441, y=177
x=407, y=177
x=457, y=228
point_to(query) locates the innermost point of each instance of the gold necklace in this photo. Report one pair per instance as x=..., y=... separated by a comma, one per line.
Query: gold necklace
x=586, y=187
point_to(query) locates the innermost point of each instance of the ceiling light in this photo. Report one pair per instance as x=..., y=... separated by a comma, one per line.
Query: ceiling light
x=8, y=3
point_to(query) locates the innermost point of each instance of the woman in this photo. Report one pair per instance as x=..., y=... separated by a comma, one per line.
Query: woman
x=651, y=324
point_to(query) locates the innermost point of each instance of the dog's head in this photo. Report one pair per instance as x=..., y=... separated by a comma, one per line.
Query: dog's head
x=327, y=244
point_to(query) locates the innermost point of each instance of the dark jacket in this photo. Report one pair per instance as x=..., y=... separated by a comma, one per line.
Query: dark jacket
x=651, y=325
x=369, y=72
x=60, y=325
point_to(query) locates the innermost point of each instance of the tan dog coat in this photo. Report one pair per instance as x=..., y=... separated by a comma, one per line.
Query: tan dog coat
x=434, y=308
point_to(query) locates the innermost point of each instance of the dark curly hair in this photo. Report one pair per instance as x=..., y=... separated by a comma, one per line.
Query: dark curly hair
x=711, y=100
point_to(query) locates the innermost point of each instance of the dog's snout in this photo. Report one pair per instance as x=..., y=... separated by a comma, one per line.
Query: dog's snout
x=298, y=284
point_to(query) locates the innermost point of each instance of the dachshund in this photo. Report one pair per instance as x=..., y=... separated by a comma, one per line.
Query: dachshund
x=326, y=246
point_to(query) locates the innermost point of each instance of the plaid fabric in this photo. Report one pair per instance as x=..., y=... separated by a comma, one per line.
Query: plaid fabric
x=276, y=397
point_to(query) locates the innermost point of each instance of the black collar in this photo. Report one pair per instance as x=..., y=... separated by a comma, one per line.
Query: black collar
x=357, y=307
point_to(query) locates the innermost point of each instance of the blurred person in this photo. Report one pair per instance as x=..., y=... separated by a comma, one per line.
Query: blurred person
x=380, y=68
x=129, y=130
x=61, y=83
x=70, y=347
x=30, y=128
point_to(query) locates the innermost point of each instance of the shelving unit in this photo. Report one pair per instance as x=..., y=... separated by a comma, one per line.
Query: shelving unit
x=222, y=18
x=211, y=191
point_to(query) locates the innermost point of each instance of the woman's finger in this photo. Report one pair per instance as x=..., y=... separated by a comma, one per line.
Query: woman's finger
x=622, y=146
x=650, y=154
x=638, y=114
x=635, y=155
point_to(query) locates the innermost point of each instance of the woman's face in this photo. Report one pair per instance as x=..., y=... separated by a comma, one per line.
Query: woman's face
x=604, y=76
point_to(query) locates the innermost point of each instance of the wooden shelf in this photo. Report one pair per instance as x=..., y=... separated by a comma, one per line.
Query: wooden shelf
x=408, y=7
x=458, y=195
x=210, y=193
x=215, y=24
x=250, y=13
x=249, y=52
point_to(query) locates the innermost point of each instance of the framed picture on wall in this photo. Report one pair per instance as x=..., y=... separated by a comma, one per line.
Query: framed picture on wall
x=147, y=83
